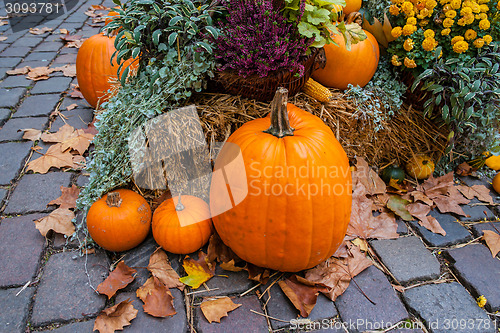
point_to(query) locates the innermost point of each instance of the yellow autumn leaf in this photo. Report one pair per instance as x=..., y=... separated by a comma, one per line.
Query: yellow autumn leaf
x=481, y=301
x=198, y=271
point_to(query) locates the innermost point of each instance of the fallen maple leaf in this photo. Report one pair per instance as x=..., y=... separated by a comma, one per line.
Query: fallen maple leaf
x=71, y=107
x=54, y=157
x=59, y=221
x=31, y=134
x=369, y=178
x=158, y=301
x=361, y=243
x=119, y=278
x=464, y=169
x=70, y=38
x=38, y=31
x=75, y=92
x=79, y=162
x=398, y=206
x=39, y=73
x=198, y=271
x=64, y=133
x=419, y=196
x=451, y=203
x=67, y=70
x=219, y=252
x=421, y=211
x=76, y=44
x=18, y=71
x=80, y=141
x=302, y=293
x=336, y=273
x=479, y=191
x=256, y=273
x=68, y=197
x=159, y=266
x=64, y=31
x=115, y=317
x=215, y=309
x=492, y=239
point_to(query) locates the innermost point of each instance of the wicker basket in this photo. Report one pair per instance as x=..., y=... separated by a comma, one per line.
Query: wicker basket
x=264, y=88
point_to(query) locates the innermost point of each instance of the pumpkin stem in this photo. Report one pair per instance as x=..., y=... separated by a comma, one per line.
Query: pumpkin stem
x=280, y=125
x=114, y=199
x=179, y=205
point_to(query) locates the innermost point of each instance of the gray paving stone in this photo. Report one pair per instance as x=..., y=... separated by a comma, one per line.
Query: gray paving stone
x=10, y=97
x=39, y=189
x=242, y=318
x=478, y=228
x=44, y=56
x=455, y=232
x=279, y=306
x=175, y=323
x=82, y=180
x=34, y=64
x=52, y=85
x=476, y=213
x=15, y=51
x=10, y=62
x=38, y=105
x=10, y=130
x=49, y=46
x=407, y=258
x=445, y=306
x=21, y=247
x=80, y=327
x=15, y=81
x=14, y=312
x=65, y=59
x=78, y=118
x=30, y=42
x=479, y=271
x=3, y=72
x=67, y=101
x=324, y=326
x=235, y=283
x=69, y=50
x=4, y=115
x=402, y=227
x=10, y=167
x=3, y=196
x=355, y=308
x=64, y=292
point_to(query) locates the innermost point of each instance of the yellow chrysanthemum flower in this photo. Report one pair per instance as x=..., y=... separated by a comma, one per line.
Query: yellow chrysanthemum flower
x=411, y=21
x=470, y=34
x=423, y=23
x=481, y=301
x=460, y=47
x=487, y=39
x=483, y=1
x=482, y=16
x=429, y=44
x=476, y=8
x=409, y=29
x=448, y=22
x=466, y=3
x=465, y=11
x=430, y=4
x=478, y=43
x=407, y=7
x=450, y=14
x=469, y=19
x=425, y=12
x=484, y=8
x=484, y=24
x=395, y=61
x=396, y=32
x=429, y=33
x=410, y=63
x=456, y=39
x=455, y=4
x=461, y=22
x=447, y=8
x=445, y=32
x=394, y=10
x=408, y=45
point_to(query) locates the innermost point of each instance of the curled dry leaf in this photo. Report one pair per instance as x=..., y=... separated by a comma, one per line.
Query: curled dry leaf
x=40, y=31
x=451, y=203
x=198, y=271
x=63, y=31
x=421, y=211
x=361, y=243
x=75, y=92
x=492, y=239
x=71, y=107
x=67, y=70
x=398, y=206
x=479, y=191
x=79, y=162
x=39, y=73
x=31, y=134
x=158, y=301
x=54, y=157
x=419, y=196
x=116, y=317
x=70, y=38
x=215, y=309
x=64, y=133
x=464, y=169
x=58, y=220
x=336, y=273
x=302, y=293
x=369, y=178
x=19, y=71
x=68, y=197
x=117, y=279
x=80, y=141
x=256, y=273
x=219, y=252
x=159, y=266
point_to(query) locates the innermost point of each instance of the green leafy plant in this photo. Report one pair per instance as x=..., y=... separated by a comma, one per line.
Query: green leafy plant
x=467, y=95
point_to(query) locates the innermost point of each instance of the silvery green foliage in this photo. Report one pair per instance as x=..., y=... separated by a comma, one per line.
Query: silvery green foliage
x=381, y=98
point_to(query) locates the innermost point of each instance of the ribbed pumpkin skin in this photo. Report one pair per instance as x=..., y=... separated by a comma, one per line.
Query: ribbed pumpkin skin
x=352, y=6
x=285, y=232
x=94, y=70
x=119, y=228
x=496, y=183
x=343, y=67
x=195, y=232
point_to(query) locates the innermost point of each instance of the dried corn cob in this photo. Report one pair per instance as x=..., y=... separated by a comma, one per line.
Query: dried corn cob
x=318, y=91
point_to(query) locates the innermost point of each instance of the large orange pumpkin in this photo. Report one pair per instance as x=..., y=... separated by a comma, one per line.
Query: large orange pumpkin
x=298, y=205
x=94, y=70
x=119, y=221
x=182, y=225
x=344, y=67
x=352, y=6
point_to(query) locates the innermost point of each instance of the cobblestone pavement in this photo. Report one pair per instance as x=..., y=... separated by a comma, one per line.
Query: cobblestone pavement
x=58, y=294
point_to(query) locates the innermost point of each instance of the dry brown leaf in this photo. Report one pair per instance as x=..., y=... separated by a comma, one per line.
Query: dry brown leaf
x=38, y=31
x=70, y=38
x=421, y=211
x=31, y=134
x=419, y=196
x=198, y=271
x=342, y=251
x=64, y=133
x=92, y=130
x=98, y=7
x=479, y=191
x=464, y=169
x=116, y=317
x=369, y=178
x=436, y=186
x=231, y=266
x=68, y=197
x=59, y=221
x=336, y=273
x=79, y=142
x=3, y=22
x=71, y=107
x=215, y=309
x=39, y=73
x=143, y=291
x=64, y=31
x=119, y=278
x=492, y=239
x=79, y=162
x=302, y=293
x=18, y=71
x=75, y=92
x=54, y=157
x=158, y=301
x=376, y=29
x=3, y=38
x=218, y=251
x=361, y=243
x=76, y=44
x=67, y=70
x=160, y=267
x=256, y=273
x=451, y=203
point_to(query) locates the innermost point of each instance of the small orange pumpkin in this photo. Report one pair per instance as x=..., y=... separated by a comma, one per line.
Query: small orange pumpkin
x=344, y=67
x=182, y=225
x=110, y=15
x=420, y=167
x=496, y=183
x=493, y=162
x=119, y=221
x=94, y=70
x=352, y=6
